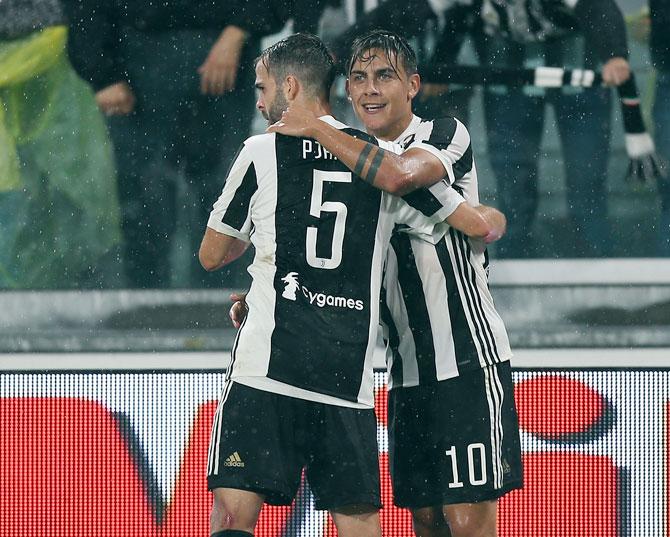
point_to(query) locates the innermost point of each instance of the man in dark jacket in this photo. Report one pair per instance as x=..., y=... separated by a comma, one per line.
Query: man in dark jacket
x=175, y=81
x=660, y=55
x=561, y=33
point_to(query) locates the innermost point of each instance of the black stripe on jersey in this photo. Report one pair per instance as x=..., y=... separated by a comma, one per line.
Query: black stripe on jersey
x=442, y=133
x=441, y=137
x=393, y=342
x=415, y=303
x=234, y=160
x=464, y=346
x=238, y=209
x=467, y=276
x=423, y=201
x=463, y=165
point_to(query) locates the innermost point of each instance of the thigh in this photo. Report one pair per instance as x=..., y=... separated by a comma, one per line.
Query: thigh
x=357, y=521
x=662, y=139
x=662, y=113
x=460, y=443
x=254, y=445
x=343, y=461
x=584, y=126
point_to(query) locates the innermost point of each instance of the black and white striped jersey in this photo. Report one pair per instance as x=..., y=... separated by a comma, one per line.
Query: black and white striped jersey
x=320, y=236
x=438, y=314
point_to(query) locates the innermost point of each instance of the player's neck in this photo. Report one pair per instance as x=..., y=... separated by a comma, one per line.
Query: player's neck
x=391, y=132
x=318, y=107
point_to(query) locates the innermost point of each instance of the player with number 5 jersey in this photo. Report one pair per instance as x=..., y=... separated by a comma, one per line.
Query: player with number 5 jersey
x=299, y=390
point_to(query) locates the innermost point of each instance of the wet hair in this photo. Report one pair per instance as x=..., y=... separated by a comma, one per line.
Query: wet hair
x=304, y=56
x=398, y=51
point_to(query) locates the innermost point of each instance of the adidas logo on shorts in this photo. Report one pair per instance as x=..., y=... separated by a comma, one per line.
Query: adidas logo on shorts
x=234, y=460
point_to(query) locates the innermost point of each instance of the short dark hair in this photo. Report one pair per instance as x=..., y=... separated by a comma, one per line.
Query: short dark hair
x=396, y=48
x=306, y=57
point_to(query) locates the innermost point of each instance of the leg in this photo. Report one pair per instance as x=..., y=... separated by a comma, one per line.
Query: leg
x=584, y=126
x=464, y=453
x=357, y=521
x=252, y=456
x=662, y=138
x=343, y=467
x=514, y=125
x=430, y=522
x=234, y=509
x=472, y=519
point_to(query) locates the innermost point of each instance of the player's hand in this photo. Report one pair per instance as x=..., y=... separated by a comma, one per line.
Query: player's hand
x=495, y=220
x=218, y=73
x=116, y=100
x=616, y=71
x=238, y=311
x=295, y=121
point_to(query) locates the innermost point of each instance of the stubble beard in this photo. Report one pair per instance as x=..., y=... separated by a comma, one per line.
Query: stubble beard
x=275, y=110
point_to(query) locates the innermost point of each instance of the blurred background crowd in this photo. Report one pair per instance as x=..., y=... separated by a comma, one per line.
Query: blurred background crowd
x=118, y=120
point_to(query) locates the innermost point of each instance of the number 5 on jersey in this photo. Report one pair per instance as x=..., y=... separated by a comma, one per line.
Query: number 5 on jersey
x=318, y=206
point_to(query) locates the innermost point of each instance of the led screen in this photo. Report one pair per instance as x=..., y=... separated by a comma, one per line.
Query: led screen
x=124, y=454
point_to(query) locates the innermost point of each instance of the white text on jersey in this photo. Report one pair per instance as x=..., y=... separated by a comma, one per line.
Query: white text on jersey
x=312, y=149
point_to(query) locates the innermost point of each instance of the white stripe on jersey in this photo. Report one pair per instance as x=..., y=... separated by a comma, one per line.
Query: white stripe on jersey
x=494, y=395
x=383, y=234
x=253, y=339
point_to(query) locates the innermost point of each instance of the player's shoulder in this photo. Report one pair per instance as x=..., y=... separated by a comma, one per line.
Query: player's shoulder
x=351, y=131
x=443, y=129
x=258, y=144
x=445, y=123
x=360, y=135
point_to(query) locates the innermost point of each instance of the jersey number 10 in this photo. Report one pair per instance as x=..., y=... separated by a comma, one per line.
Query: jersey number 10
x=318, y=206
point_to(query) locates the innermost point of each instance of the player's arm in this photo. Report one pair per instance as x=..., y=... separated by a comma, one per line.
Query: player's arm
x=228, y=229
x=481, y=222
x=218, y=249
x=383, y=169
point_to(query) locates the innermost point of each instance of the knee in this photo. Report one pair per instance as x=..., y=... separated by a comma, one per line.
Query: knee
x=233, y=513
x=469, y=524
x=429, y=522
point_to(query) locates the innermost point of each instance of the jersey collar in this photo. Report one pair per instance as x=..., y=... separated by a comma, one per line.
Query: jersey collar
x=411, y=129
x=333, y=122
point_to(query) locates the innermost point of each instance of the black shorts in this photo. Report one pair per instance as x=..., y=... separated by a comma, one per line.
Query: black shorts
x=456, y=441
x=261, y=441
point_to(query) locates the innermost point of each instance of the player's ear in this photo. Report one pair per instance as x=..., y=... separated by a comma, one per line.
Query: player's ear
x=292, y=87
x=346, y=89
x=414, y=85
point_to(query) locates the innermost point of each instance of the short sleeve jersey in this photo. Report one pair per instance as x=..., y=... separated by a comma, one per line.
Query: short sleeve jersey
x=320, y=235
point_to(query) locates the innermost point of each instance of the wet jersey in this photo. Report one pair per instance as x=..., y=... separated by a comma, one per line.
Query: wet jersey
x=438, y=314
x=320, y=235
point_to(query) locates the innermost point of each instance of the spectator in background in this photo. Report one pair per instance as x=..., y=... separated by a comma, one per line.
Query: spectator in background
x=660, y=54
x=586, y=33
x=305, y=14
x=59, y=214
x=175, y=81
